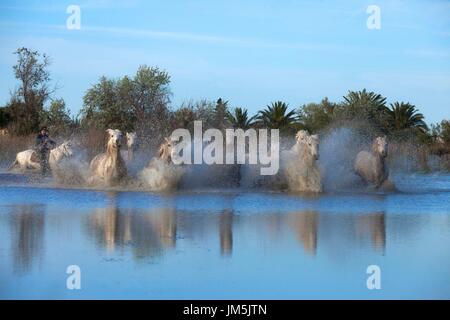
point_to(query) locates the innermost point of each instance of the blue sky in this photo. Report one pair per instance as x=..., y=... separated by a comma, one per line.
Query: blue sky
x=248, y=52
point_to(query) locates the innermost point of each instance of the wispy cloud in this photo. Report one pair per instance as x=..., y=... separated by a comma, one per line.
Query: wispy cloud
x=195, y=37
x=167, y=35
x=5, y=9
x=88, y=4
x=110, y=4
x=429, y=53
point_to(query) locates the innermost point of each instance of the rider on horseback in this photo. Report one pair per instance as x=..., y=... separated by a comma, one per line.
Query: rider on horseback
x=43, y=146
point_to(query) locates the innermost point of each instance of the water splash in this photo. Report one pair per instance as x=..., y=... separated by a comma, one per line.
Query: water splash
x=161, y=176
x=338, y=150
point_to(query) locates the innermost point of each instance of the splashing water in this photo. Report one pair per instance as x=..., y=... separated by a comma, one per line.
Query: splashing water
x=161, y=176
x=338, y=150
x=71, y=172
x=334, y=170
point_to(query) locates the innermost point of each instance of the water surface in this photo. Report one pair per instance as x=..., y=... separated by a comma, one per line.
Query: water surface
x=225, y=243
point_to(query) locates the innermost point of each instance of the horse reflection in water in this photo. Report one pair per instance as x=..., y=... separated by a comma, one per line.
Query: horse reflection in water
x=27, y=244
x=305, y=227
x=226, y=232
x=373, y=224
x=349, y=230
x=151, y=232
x=147, y=233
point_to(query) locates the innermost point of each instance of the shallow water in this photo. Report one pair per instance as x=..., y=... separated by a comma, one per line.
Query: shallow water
x=225, y=243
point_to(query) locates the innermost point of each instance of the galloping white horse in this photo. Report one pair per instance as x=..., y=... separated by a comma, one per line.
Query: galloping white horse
x=371, y=166
x=29, y=159
x=109, y=168
x=161, y=174
x=301, y=171
x=132, y=145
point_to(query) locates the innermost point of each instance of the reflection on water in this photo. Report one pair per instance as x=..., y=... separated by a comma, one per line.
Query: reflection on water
x=374, y=225
x=304, y=224
x=226, y=232
x=147, y=233
x=27, y=233
x=150, y=232
x=184, y=245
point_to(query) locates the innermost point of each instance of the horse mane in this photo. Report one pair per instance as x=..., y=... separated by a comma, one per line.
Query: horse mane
x=301, y=170
x=374, y=146
x=110, y=149
x=163, y=152
x=301, y=147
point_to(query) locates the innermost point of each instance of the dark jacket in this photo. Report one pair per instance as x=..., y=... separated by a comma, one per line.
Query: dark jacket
x=44, y=143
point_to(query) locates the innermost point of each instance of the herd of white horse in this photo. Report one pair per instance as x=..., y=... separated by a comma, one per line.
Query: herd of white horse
x=300, y=172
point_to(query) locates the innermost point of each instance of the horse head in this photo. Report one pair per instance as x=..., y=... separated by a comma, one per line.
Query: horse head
x=313, y=145
x=115, y=138
x=309, y=144
x=67, y=148
x=301, y=136
x=166, y=150
x=132, y=140
x=380, y=146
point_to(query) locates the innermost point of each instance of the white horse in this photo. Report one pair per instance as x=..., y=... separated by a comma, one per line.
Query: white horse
x=371, y=166
x=29, y=159
x=301, y=170
x=109, y=168
x=161, y=174
x=132, y=145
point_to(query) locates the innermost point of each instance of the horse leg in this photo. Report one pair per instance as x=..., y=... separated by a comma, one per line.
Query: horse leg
x=13, y=165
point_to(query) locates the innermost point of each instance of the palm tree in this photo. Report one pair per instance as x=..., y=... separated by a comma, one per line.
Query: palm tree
x=365, y=105
x=365, y=98
x=239, y=119
x=276, y=116
x=403, y=115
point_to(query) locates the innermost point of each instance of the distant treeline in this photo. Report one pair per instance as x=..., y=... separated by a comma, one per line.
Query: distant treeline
x=142, y=103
